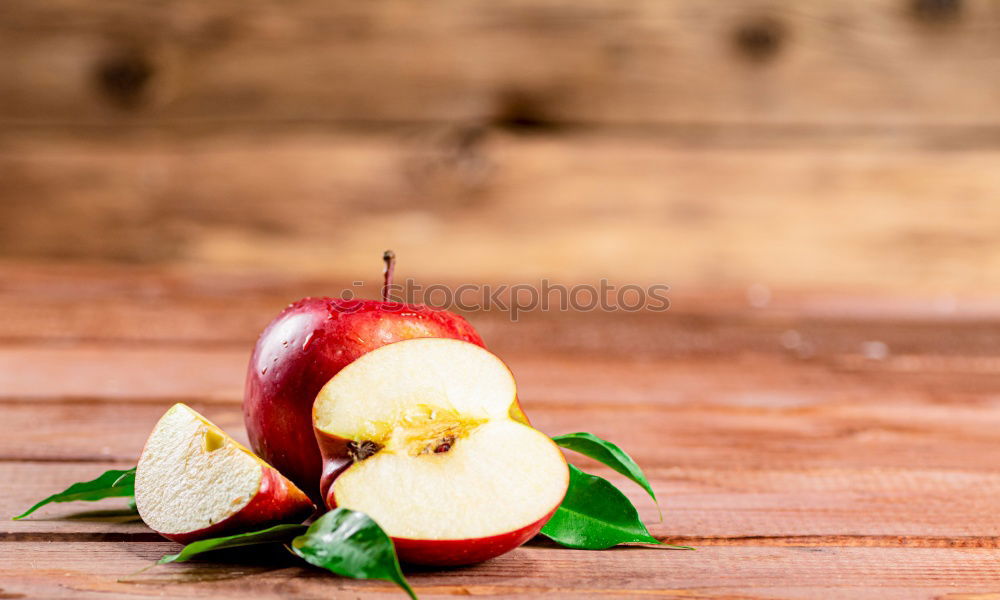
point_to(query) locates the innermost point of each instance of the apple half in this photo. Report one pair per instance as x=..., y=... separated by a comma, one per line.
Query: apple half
x=193, y=481
x=426, y=436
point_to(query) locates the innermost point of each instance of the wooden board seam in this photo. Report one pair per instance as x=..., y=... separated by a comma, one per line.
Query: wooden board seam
x=851, y=541
x=803, y=541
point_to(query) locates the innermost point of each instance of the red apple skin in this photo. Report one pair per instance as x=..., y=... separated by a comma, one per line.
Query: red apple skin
x=277, y=501
x=306, y=345
x=454, y=553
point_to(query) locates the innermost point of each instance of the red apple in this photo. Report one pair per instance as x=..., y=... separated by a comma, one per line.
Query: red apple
x=306, y=345
x=193, y=482
x=426, y=437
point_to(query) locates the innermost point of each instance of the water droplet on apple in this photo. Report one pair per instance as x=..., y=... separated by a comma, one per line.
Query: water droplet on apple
x=305, y=343
x=284, y=344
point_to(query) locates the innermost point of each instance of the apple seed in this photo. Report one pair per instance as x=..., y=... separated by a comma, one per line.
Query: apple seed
x=445, y=445
x=362, y=450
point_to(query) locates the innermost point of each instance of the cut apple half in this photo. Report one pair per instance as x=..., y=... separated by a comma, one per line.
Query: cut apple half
x=193, y=481
x=427, y=438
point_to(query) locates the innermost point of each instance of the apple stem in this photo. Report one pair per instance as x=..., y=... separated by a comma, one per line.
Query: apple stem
x=390, y=264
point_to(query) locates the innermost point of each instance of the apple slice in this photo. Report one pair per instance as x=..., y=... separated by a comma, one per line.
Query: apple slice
x=426, y=436
x=194, y=481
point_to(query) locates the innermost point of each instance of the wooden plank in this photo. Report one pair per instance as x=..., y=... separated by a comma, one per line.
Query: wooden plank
x=910, y=409
x=724, y=504
x=629, y=208
x=753, y=412
x=156, y=306
x=815, y=437
x=81, y=570
x=106, y=520
x=522, y=63
x=751, y=382
x=827, y=336
x=79, y=286
x=830, y=329
x=97, y=373
x=833, y=473
x=70, y=283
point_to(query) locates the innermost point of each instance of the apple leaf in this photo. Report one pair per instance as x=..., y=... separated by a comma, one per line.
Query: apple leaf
x=279, y=534
x=595, y=515
x=351, y=544
x=111, y=484
x=604, y=451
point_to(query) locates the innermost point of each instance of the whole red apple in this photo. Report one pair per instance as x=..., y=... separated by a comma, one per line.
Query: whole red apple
x=306, y=345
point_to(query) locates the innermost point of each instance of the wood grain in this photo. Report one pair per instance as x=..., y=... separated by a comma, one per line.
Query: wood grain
x=82, y=570
x=817, y=410
x=721, y=504
x=805, y=470
x=513, y=209
x=520, y=64
x=211, y=310
x=808, y=145
x=752, y=429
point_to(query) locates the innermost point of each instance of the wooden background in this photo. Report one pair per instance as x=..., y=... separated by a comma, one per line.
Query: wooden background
x=814, y=143
x=817, y=182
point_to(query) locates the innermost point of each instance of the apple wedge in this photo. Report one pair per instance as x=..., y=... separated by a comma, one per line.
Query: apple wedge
x=426, y=436
x=193, y=481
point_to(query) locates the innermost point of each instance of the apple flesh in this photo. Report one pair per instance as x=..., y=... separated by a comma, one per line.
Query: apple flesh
x=306, y=345
x=193, y=482
x=427, y=438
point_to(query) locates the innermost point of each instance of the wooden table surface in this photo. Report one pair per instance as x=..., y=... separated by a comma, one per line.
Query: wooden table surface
x=809, y=445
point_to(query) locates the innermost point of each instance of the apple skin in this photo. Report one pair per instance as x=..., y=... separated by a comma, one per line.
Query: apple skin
x=306, y=345
x=454, y=553
x=275, y=502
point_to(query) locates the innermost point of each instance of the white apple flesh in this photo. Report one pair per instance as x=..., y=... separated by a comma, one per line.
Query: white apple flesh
x=427, y=438
x=193, y=481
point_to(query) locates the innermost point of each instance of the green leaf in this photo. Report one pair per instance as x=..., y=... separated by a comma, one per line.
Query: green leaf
x=595, y=515
x=604, y=451
x=351, y=544
x=279, y=534
x=111, y=484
